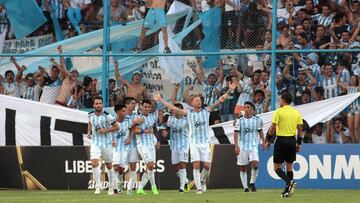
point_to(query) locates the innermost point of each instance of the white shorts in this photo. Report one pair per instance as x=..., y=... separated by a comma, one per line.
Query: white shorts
x=200, y=152
x=147, y=153
x=179, y=156
x=133, y=155
x=104, y=152
x=246, y=156
x=120, y=158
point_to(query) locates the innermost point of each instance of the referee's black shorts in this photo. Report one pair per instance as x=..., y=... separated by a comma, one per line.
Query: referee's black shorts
x=285, y=149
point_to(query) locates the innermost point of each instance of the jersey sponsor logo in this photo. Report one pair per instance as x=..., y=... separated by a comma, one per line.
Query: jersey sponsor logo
x=199, y=124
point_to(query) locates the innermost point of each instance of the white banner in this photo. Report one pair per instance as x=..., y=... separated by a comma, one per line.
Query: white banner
x=312, y=113
x=17, y=46
x=29, y=119
x=29, y=123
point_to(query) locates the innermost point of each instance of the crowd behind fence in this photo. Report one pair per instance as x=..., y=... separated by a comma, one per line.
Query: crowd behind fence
x=245, y=25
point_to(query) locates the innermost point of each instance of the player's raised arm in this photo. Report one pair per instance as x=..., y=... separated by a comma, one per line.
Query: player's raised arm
x=158, y=98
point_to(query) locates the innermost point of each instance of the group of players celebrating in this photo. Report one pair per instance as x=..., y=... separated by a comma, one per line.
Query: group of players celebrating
x=123, y=140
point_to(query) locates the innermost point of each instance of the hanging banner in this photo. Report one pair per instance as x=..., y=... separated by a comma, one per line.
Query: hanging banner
x=19, y=46
x=29, y=123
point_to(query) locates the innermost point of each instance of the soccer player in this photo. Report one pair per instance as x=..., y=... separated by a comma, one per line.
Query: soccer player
x=179, y=145
x=100, y=126
x=248, y=130
x=121, y=141
x=286, y=122
x=198, y=120
x=132, y=155
x=155, y=17
x=145, y=141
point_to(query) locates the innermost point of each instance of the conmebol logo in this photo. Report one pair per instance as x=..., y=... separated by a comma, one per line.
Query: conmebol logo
x=329, y=167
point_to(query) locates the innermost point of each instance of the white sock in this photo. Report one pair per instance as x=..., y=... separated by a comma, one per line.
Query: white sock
x=196, y=174
x=115, y=179
x=204, y=175
x=131, y=180
x=152, y=178
x=243, y=177
x=183, y=179
x=144, y=180
x=110, y=178
x=254, y=174
x=96, y=172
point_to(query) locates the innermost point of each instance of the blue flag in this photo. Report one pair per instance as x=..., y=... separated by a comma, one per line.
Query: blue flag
x=211, y=24
x=25, y=16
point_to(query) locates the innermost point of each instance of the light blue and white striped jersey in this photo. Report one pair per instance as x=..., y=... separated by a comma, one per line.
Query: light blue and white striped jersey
x=179, y=135
x=121, y=135
x=356, y=103
x=130, y=118
x=259, y=107
x=344, y=78
x=57, y=8
x=210, y=96
x=27, y=92
x=323, y=20
x=247, y=92
x=248, y=129
x=12, y=89
x=143, y=138
x=198, y=126
x=105, y=120
x=330, y=87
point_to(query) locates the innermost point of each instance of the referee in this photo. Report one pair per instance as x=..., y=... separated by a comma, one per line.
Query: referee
x=285, y=123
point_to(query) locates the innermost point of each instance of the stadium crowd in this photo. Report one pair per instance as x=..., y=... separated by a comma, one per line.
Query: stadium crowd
x=302, y=25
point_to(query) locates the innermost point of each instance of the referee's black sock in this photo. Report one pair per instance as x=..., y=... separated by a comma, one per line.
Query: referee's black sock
x=290, y=175
x=282, y=175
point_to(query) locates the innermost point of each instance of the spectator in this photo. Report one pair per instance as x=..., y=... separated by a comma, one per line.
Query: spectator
x=117, y=13
x=10, y=85
x=212, y=90
x=354, y=108
x=134, y=88
x=324, y=18
x=228, y=107
x=285, y=37
x=76, y=99
x=231, y=22
x=306, y=97
x=112, y=92
x=267, y=40
x=69, y=81
x=318, y=134
x=257, y=61
x=88, y=92
x=337, y=132
x=328, y=82
x=248, y=86
x=74, y=9
x=310, y=9
x=261, y=102
x=133, y=12
x=301, y=83
x=318, y=93
x=320, y=37
x=27, y=86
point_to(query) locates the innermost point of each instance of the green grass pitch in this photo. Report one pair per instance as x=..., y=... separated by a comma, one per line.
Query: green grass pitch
x=218, y=195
